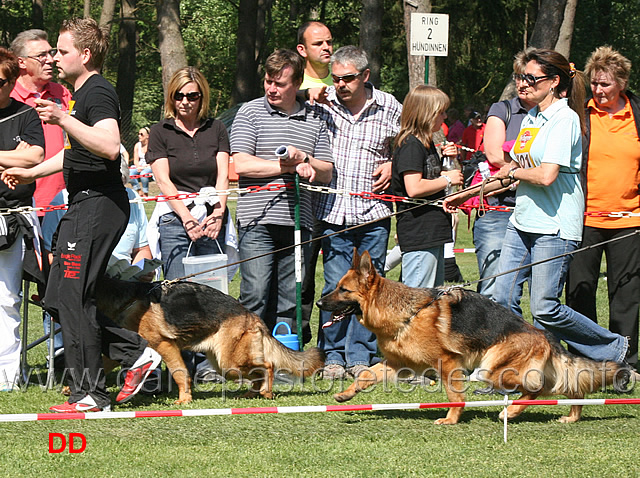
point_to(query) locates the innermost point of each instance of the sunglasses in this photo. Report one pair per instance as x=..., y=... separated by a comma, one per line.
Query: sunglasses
x=192, y=96
x=3, y=81
x=530, y=79
x=346, y=78
x=42, y=57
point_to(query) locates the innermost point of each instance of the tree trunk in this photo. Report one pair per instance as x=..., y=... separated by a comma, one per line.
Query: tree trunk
x=547, y=29
x=37, y=13
x=126, y=83
x=416, y=63
x=371, y=36
x=264, y=25
x=246, y=86
x=87, y=9
x=553, y=29
x=172, y=53
x=563, y=44
x=106, y=17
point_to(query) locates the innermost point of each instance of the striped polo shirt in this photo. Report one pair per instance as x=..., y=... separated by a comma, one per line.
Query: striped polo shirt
x=259, y=129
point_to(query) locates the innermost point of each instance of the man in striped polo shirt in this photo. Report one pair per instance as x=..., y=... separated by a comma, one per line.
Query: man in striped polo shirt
x=266, y=218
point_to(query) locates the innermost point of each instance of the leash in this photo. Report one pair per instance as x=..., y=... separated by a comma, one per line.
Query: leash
x=438, y=296
x=431, y=202
x=582, y=249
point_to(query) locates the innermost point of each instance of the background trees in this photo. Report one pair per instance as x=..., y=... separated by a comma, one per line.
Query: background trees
x=229, y=40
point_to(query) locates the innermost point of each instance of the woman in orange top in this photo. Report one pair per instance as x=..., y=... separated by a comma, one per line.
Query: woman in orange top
x=611, y=179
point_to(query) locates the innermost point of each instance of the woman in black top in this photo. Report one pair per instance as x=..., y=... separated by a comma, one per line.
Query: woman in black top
x=417, y=173
x=189, y=151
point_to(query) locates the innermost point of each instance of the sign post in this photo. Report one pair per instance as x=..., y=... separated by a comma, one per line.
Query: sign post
x=429, y=37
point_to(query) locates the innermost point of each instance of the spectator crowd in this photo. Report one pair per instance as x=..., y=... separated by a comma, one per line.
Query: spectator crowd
x=542, y=159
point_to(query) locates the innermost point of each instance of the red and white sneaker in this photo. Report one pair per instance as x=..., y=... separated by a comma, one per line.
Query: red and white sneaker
x=87, y=404
x=138, y=373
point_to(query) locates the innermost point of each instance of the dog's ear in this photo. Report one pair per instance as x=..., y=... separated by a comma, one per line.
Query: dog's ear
x=366, y=268
x=356, y=259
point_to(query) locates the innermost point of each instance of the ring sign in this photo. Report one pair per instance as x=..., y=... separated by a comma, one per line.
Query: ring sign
x=429, y=34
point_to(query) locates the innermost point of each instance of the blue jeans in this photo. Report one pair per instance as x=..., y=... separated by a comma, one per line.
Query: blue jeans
x=546, y=283
x=57, y=337
x=488, y=236
x=423, y=268
x=174, y=244
x=135, y=182
x=268, y=285
x=348, y=342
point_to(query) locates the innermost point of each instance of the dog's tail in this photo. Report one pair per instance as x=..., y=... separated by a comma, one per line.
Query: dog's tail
x=576, y=376
x=299, y=364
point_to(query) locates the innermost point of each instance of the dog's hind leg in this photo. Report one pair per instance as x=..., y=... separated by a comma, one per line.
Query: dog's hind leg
x=266, y=390
x=574, y=415
x=576, y=410
x=171, y=355
x=366, y=379
x=515, y=410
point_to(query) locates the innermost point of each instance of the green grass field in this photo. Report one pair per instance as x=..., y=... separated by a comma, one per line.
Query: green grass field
x=351, y=444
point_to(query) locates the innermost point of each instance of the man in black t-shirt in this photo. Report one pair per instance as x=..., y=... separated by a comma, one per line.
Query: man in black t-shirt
x=21, y=144
x=89, y=231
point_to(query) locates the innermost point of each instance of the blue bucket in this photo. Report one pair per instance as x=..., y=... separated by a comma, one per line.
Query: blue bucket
x=288, y=340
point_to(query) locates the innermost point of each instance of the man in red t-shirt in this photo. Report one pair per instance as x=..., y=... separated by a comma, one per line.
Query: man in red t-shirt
x=35, y=58
x=473, y=135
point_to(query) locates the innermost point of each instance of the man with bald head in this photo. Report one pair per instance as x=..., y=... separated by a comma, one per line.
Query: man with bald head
x=315, y=45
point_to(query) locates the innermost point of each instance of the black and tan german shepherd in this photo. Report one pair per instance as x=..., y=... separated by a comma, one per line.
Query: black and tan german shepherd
x=456, y=330
x=191, y=316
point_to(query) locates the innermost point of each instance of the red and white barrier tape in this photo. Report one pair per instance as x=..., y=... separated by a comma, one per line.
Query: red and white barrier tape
x=320, y=189
x=30, y=417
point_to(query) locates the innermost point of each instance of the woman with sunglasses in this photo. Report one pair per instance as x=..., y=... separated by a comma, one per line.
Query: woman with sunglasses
x=547, y=220
x=188, y=153
x=140, y=166
x=502, y=127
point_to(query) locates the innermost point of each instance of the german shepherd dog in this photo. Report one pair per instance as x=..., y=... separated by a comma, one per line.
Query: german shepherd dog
x=187, y=315
x=458, y=330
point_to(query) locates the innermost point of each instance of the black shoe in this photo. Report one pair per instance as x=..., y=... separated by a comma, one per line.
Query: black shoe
x=208, y=375
x=494, y=391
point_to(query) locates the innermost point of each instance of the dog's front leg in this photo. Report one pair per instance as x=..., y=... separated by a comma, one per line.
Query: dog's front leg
x=171, y=355
x=454, y=383
x=364, y=380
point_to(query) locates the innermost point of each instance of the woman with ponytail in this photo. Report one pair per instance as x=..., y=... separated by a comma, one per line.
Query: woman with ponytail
x=548, y=217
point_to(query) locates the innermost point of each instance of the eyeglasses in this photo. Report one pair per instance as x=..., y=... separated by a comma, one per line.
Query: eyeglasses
x=3, y=81
x=346, y=78
x=42, y=57
x=530, y=79
x=192, y=96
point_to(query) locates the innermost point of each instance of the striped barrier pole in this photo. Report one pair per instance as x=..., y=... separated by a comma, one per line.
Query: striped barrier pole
x=30, y=417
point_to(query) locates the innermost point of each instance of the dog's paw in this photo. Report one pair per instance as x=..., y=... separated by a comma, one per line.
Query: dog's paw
x=184, y=400
x=343, y=396
x=267, y=395
x=568, y=419
x=445, y=421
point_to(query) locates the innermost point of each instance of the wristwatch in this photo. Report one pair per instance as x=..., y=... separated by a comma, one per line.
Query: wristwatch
x=448, y=181
x=306, y=158
x=511, y=174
